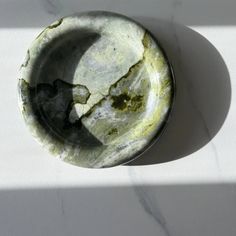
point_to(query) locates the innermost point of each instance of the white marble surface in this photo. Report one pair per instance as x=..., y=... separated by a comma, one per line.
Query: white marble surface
x=193, y=194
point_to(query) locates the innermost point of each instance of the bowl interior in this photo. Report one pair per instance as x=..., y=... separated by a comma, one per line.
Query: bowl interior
x=99, y=95
x=53, y=92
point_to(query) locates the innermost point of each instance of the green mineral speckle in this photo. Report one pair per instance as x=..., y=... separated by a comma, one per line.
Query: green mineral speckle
x=113, y=131
x=120, y=101
x=125, y=102
x=136, y=103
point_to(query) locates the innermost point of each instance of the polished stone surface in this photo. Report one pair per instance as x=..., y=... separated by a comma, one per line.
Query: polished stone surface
x=191, y=196
x=95, y=89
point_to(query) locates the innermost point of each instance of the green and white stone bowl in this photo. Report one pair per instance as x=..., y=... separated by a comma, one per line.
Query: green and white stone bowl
x=95, y=89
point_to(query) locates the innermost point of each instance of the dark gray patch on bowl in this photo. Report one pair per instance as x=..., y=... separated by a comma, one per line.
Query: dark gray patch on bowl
x=51, y=90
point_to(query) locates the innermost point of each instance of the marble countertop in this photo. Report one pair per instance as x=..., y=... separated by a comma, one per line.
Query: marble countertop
x=185, y=185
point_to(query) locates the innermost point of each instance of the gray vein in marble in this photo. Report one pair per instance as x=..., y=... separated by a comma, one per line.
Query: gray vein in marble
x=209, y=136
x=60, y=198
x=207, y=131
x=62, y=209
x=194, y=104
x=177, y=3
x=148, y=201
x=179, y=50
x=52, y=7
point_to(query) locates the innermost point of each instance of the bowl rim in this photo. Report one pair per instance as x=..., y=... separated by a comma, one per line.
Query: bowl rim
x=173, y=88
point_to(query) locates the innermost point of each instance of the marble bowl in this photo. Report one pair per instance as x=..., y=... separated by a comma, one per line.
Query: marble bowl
x=95, y=89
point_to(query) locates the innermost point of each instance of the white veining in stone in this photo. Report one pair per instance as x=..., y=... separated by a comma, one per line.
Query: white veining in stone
x=122, y=83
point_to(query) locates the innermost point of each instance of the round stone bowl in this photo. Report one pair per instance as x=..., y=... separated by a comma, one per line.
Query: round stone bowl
x=96, y=89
